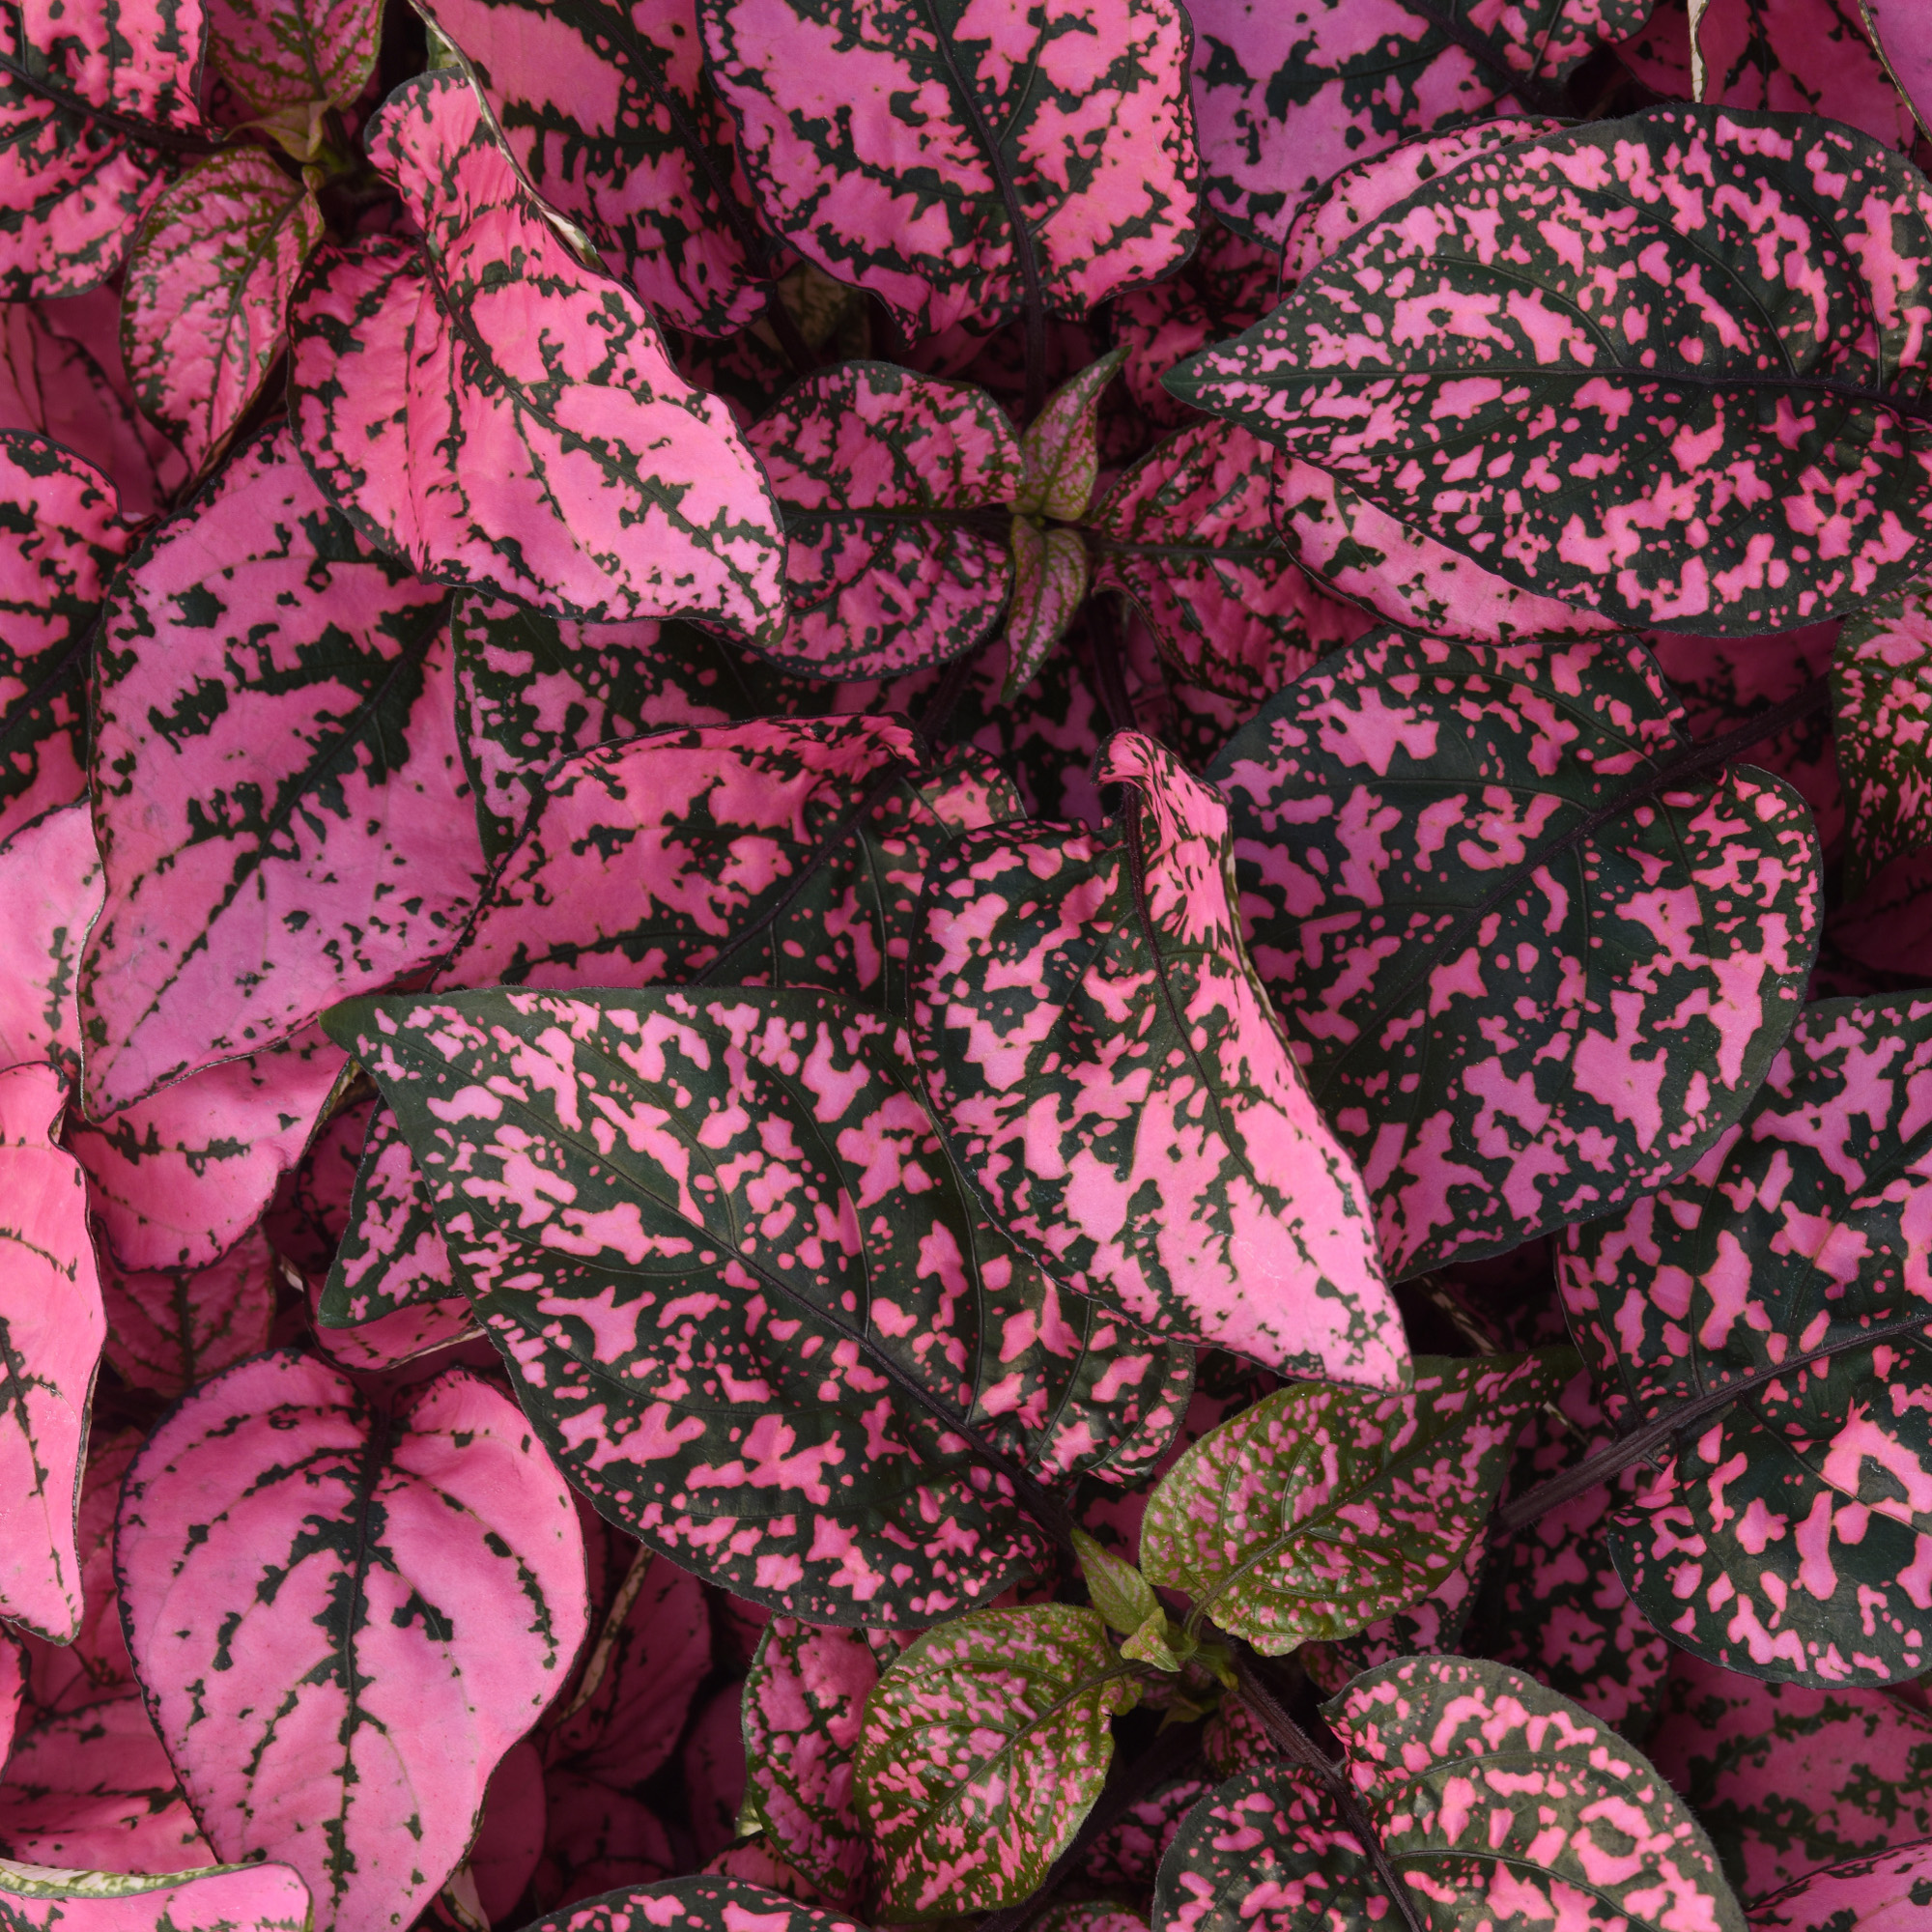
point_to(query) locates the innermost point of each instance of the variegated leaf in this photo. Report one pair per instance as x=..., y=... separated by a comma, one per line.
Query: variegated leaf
x=225, y=1898
x=1525, y=974
x=383, y=1603
x=310, y=1210
x=391, y=1256
x=1882, y=701
x=1903, y=37
x=49, y=893
x=1788, y=1536
x=1497, y=1804
x=288, y=60
x=1049, y=579
x=1322, y=1509
x=1607, y=432
x=51, y=1336
x=702, y=1904
x=1287, y=98
x=1105, y=1068
x=640, y=1165
x=208, y=285
x=1431, y=1626
x=61, y=536
x=168, y=1329
x=712, y=1770
x=1062, y=137
x=446, y=1328
x=876, y=471
x=277, y=788
x=983, y=1747
x=1061, y=447
x=566, y=464
x=1885, y=1893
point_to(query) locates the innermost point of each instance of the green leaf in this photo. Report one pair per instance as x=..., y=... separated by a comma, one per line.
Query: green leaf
x=984, y=1746
x=1881, y=696
x=1049, y=582
x=1323, y=1508
x=1121, y=1595
x=1061, y=447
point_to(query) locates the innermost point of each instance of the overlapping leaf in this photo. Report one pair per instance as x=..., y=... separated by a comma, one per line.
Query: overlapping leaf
x=1105, y=1068
x=168, y=1329
x=290, y=60
x=50, y=886
x=702, y=1904
x=1872, y=1895
x=561, y=460
x=276, y=782
x=1881, y=701
x=1903, y=40
x=391, y=1255
x=747, y=1304
x=966, y=168
x=1789, y=1536
x=344, y=1616
x=1610, y=433
x=260, y=1898
x=1527, y=975
x=1049, y=578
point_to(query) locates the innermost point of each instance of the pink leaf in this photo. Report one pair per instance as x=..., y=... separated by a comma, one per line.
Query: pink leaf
x=1879, y=1893
x=597, y=1840
x=403, y=1336
x=279, y=798
x=391, y=1256
x=1903, y=36
x=1049, y=577
x=712, y=1764
x=239, y=1898
x=287, y=57
x=168, y=1329
x=510, y=1840
x=310, y=1211
x=703, y=1904
x=207, y=286
x=383, y=1604
x=50, y=886
x=1882, y=705
x=1069, y=120
x=50, y=1335
x=13, y=1688
x=565, y=463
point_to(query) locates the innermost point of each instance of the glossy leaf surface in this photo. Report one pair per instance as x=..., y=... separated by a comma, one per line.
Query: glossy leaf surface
x=1882, y=705
x=228, y=1898
x=50, y=886
x=391, y=1255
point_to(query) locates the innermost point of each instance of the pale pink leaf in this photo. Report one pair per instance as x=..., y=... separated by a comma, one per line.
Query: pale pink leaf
x=50, y=890
x=227, y=1898
x=170, y=1328
x=403, y=1336
x=1061, y=447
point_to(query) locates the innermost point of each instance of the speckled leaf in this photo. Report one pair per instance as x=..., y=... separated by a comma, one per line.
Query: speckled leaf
x=1432, y=1625
x=563, y=462
x=1061, y=447
x=607, y=112
x=277, y=789
x=1886, y=1892
x=948, y=159
x=382, y=1601
x=50, y=891
x=1322, y=1509
x=1049, y=579
x=1790, y=1535
x=702, y=1904
x=1105, y=1066
x=207, y=290
x=1717, y=440
x=1189, y=534
x=287, y=59
x=391, y=1255
x=639, y=1166
x=1881, y=701
x=51, y=1336
x=1498, y=1804
x=983, y=1747
x=804, y=1709
x=61, y=537
x=1903, y=36
x=310, y=1209
x=226, y=1898
x=1288, y=97
x=1517, y=1004
x=445, y=1328
x=168, y=1329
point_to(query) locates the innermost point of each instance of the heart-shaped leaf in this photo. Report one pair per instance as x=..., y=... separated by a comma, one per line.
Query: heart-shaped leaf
x=277, y=788
x=1063, y=139
x=865, y=1453
x=1903, y=37
x=565, y=463
x=168, y=1329
x=207, y=291
x=1788, y=1536
x=226, y=1898
x=51, y=1331
x=1531, y=962
x=1496, y=1802
x=289, y=59
x=1322, y=1509
x=1882, y=705
x=876, y=471
x=983, y=1747
x=383, y=1601
x=1105, y=1068
x=50, y=885
x=1590, y=445
x=702, y=1904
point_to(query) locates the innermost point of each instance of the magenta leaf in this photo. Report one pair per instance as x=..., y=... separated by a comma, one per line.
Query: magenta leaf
x=1903, y=36
x=607, y=112
x=874, y=470
x=1107, y=1070
x=1496, y=1803
x=702, y=1904
x=1062, y=138
x=207, y=286
x=1868, y=1894
x=50, y=885
x=391, y=1256
x=1322, y=1509
x=168, y=1329
x=1531, y=962
x=310, y=1210
x=1059, y=449
x=383, y=1601
x=1881, y=701
x=61, y=537
x=1363, y=76
x=288, y=60
x=712, y=1771
x=597, y=1841
x=509, y=1842
x=51, y=1336
x=225, y=1898
x=983, y=1747
x=397, y=1339
x=1049, y=578
x=567, y=465
x=1617, y=488
x=1783, y=1537
x=868, y=1454
x=278, y=793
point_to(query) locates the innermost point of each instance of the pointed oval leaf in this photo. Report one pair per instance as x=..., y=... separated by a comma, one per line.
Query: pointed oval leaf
x=1061, y=447
x=567, y=465
x=844, y=1436
x=391, y=1255
x=983, y=1747
x=208, y=284
x=1063, y=138
x=1903, y=36
x=1322, y=1509
x=1049, y=578
x=597, y=1840
x=288, y=58
x=1104, y=1065
x=1882, y=711
x=702, y=1904
x=311, y=1207
x=226, y=1898
x=277, y=788
x=1617, y=488
x=51, y=886
x=51, y=1331
x=383, y=1604
x=1517, y=1000
x=1790, y=1535
x=875, y=470
x=169, y=1329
